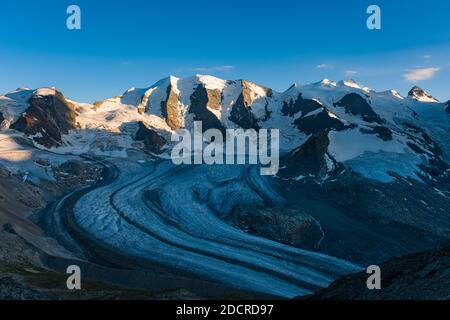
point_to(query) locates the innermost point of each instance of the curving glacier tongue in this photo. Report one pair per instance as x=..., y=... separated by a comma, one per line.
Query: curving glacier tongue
x=181, y=234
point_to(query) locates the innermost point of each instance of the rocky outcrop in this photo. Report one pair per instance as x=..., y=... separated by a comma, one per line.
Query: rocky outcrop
x=447, y=110
x=170, y=109
x=1, y=119
x=289, y=226
x=242, y=115
x=153, y=142
x=47, y=118
x=214, y=99
x=304, y=105
x=241, y=112
x=421, y=276
x=384, y=133
x=358, y=106
x=317, y=123
x=310, y=159
x=201, y=100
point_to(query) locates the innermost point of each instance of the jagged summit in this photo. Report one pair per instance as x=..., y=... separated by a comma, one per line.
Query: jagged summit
x=421, y=95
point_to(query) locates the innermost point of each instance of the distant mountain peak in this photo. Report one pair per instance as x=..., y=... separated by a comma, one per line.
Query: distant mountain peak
x=327, y=82
x=421, y=95
x=349, y=83
x=46, y=91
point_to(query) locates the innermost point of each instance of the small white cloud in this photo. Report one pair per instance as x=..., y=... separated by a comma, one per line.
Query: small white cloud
x=427, y=57
x=350, y=73
x=212, y=69
x=421, y=74
x=322, y=66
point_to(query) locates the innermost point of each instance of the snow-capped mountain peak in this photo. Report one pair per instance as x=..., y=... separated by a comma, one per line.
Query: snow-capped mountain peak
x=421, y=95
x=48, y=91
x=327, y=83
x=349, y=83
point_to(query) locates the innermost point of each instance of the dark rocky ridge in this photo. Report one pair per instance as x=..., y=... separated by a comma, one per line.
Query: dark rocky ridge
x=50, y=116
x=153, y=142
x=241, y=112
x=304, y=105
x=201, y=99
x=357, y=105
x=318, y=123
x=448, y=108
x=310, y=159
x=420, y=276
x=381, y=132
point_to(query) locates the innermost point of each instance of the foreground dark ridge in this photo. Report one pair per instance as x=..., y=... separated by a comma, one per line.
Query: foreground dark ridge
x=421, y=276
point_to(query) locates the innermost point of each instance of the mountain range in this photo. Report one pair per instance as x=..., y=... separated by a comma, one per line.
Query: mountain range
x=365, y=175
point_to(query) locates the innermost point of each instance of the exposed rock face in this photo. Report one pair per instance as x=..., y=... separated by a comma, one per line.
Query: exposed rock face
x=48, y=117
x=97, y=105
x=153, y=142
x=170, y=109
x=75, y=173
x=1, y=119
x=241, y=113
x=422, y=276
x=419, y=94
x=448, y=108
x=214, y=99
x=311, y=158
x=318, y=123
x=201, y=100
x=381, y=132
x=423, y=139
x=357, y=105
x=304, y=105
x=284, y=225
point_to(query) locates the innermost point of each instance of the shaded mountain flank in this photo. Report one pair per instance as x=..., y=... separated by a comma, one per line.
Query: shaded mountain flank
x=358, y=106
x=201, y=100
x=153, y=142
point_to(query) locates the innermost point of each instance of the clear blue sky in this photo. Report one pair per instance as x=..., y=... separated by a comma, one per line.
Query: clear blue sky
x=134, y=43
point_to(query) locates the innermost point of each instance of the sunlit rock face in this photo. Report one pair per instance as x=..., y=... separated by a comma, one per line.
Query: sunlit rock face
x=48, y=117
